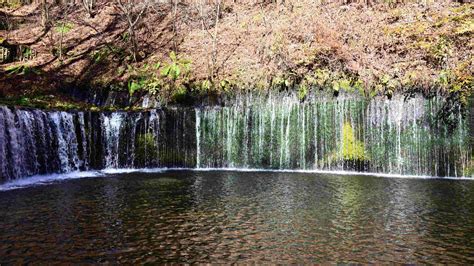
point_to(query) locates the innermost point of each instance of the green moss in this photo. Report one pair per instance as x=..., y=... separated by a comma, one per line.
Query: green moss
x=145, y=145
x=11, y=4
x=205, y=86
x=261, y=85
x=358, y=86
x=302, y=91
x=352, y=149
x=225, y=85
x=321, y=77
x=342, y=83
x=44, y=101
x=466, y=28
x=179, y=93
x=469, y=170
x=457, y=82
x=65, y=106
x=169, y=158
x=280, y=82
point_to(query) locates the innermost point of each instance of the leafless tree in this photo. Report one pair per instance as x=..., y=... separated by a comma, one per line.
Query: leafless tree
x=89, y=7
x=175, y=23
x=209, y=20
x=44, y=13
x=133, y=11
x=215, y=39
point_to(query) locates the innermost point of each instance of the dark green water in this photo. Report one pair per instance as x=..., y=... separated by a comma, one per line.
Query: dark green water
x=187, y=216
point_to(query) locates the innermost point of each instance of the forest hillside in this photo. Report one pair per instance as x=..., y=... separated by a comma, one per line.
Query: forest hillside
x=178, y=49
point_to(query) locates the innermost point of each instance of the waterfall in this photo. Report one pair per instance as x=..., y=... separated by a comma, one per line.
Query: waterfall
x=111, y=125
x=67, y=141
x=403, y=136
x=198, y=137
x=398, y=136
x=39, y=142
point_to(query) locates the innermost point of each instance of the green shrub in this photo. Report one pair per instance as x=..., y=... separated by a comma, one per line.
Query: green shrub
x=178, y=67
x=21, y=70
x=168, y=80
x=352, y=149
x=63, y=27
x=302, y=91
x=11, y=4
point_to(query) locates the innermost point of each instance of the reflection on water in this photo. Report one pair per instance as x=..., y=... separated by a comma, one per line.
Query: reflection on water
x=184, y=216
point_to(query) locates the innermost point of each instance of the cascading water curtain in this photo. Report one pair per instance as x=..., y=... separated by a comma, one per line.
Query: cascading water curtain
x=157, y=138
x=39, y=142
x=397, y=136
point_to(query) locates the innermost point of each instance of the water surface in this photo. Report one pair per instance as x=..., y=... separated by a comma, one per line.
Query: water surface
x=225, y=216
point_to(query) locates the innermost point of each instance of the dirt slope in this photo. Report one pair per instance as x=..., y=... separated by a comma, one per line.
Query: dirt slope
x=376, y=49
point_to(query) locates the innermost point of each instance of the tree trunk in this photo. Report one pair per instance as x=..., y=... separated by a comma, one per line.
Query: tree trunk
x=44, y=14
x=215, y=41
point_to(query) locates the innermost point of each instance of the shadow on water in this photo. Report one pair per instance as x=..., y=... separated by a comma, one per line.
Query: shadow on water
x=192, y=216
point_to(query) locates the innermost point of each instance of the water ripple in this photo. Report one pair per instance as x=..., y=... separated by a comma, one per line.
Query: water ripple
x=245, y=217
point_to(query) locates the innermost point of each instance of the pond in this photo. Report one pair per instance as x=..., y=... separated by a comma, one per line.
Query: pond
x=228, y=216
